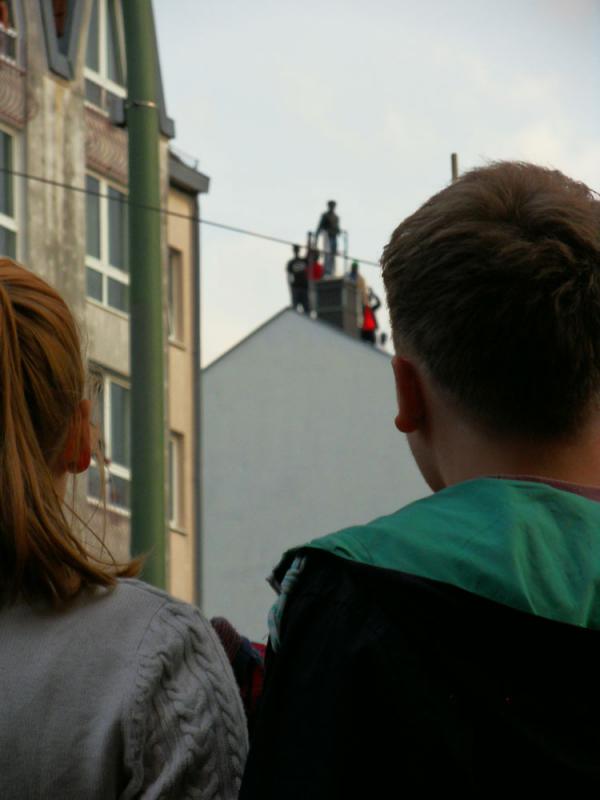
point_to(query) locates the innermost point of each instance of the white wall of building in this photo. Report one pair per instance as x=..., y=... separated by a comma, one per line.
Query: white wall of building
x=298, y=441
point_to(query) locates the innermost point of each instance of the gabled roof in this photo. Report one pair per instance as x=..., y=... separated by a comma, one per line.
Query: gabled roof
x=326, y=327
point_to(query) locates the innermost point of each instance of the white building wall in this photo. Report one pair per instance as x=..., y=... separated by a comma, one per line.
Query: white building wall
x=298, y=441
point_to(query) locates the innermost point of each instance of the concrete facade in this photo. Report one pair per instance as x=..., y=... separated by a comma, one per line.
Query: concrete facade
x=59, y=136
x=298, y=440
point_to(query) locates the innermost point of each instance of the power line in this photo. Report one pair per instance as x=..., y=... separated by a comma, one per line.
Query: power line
x=161, y=210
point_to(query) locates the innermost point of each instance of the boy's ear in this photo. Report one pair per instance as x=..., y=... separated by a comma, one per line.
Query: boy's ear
x=409, y=394
x=78, y=452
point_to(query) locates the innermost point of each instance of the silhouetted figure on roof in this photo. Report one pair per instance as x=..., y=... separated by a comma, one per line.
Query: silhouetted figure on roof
x=297, y=273
x=329, y=224
x=361, y=285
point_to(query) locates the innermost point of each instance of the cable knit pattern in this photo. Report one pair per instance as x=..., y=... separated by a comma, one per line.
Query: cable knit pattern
x=126, y=695
x=186, y=733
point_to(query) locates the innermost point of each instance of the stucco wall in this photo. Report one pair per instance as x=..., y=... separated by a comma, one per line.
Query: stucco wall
x=180, y=400
x=298, y=441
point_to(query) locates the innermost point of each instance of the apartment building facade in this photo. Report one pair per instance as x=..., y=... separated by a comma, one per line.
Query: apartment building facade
x=63, y=213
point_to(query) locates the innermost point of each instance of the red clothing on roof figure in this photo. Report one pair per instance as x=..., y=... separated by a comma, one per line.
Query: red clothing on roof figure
x=369, y=326
x=315, y=269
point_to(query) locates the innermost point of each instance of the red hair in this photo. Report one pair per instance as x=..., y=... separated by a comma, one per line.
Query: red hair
x=42, y=383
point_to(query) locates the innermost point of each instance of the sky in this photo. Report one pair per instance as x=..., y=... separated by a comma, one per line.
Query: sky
x=286, y=105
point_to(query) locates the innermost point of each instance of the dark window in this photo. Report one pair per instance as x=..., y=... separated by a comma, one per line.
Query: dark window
x=92, y=55
x=61, y=11
x=93, y=93
x=113, y=61
x=6, y=179
x=92, y=216
x=8, y=243
x=93, y=284
x=175, y=295
x=117, y=230
x=118, y=295
x=120, y=451
x=119, y=491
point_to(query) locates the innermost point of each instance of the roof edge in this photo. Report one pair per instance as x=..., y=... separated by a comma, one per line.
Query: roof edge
x=337, y=331
x=187, y=178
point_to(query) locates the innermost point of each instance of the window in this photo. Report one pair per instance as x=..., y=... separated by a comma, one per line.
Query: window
x=8, y=33
x=107, y=246
x=175, y=494
x=8, y=225
x=61, y=9
x=104, y=64
x=112, y=415
x=175, y=295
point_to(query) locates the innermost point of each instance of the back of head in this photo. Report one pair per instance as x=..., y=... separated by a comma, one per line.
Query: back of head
x=42, y=383
x=494, y=284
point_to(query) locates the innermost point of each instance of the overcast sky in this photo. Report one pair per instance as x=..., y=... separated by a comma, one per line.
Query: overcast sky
x=289, y=104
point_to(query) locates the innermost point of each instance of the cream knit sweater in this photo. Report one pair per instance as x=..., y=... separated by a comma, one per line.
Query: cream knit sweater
x=127, y=694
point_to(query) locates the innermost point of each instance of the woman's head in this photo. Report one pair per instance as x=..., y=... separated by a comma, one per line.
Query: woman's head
x=44, y=434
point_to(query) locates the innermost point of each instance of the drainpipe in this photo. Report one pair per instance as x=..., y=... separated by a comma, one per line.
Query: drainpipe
x=148, y=519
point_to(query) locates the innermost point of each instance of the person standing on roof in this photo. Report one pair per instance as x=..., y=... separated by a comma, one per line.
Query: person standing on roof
x=297, y=273
x=369, y=324
x=329, y=224
x=361, y=285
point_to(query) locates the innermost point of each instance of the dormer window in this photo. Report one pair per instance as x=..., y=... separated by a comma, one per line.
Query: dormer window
x=104, y=61
x=8, y=32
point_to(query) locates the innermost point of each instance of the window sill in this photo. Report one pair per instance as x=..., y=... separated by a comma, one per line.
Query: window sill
x=178, y=343
x=98, y=109
x=110, y=509
x=115, y=311
x=177, y=529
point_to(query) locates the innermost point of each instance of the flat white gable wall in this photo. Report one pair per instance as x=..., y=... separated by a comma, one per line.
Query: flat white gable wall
x=298, y=441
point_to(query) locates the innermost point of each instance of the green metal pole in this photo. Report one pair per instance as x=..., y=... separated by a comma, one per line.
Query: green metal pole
x=148, y=523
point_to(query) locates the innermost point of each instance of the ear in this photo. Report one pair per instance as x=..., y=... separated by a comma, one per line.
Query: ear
x=409, y=393
x=78, y=452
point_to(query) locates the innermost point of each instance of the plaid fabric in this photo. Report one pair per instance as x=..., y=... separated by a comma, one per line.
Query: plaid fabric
x=247, y=661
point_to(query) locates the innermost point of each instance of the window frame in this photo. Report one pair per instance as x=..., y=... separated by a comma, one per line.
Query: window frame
x=175, y=483
x=175, y=311
x=100, y=77
x=102, y=264
x=12, y=223
x=106, y=378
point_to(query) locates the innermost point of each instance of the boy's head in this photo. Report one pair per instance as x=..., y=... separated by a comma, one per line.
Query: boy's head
x=493, y=286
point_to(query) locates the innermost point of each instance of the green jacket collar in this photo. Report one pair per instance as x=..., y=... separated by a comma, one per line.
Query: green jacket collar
x=526, y=545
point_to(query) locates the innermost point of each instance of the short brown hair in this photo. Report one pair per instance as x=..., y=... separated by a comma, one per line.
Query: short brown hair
x=42, y=382
x=494, y=283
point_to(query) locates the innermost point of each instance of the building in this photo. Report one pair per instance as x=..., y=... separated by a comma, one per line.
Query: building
x=63, y=123
x=298, y=440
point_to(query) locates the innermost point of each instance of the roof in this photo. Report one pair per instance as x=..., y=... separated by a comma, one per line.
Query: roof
x=327, y=328
x=185, y=176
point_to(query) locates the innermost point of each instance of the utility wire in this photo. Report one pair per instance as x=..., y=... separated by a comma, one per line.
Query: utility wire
x=168, y=212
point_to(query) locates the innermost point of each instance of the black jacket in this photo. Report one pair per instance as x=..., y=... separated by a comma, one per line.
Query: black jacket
x=388, y=685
